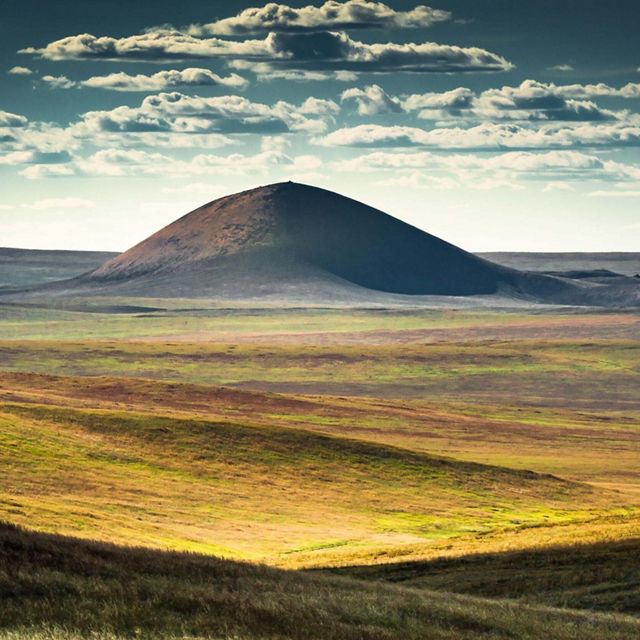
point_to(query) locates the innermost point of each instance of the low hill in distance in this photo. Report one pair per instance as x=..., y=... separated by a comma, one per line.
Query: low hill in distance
x=290, y=242
x=32, y=267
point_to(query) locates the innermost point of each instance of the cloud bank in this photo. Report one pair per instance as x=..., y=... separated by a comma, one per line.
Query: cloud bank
x=330, y=16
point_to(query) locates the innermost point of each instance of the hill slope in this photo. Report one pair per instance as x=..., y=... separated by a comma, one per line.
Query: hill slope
x=227, y=488
x=61, y=588
x=296, y=226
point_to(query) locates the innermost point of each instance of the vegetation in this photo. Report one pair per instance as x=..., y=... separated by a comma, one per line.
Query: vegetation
x=56, y=588
x=419, y=454
x=255, y=492
x=602, y=575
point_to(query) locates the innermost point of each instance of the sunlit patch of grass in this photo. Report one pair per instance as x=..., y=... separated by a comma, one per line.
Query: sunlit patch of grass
x=253, y=491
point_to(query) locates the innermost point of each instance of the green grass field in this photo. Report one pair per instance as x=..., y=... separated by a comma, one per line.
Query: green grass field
x=421, y=453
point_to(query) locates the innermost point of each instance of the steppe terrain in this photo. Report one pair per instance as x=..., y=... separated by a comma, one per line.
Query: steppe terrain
x=402, y=455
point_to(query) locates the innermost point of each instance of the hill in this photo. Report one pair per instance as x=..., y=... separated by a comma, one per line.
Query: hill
x=61, y=588
x=259, y=492
x=30, y=267
x=290, y=242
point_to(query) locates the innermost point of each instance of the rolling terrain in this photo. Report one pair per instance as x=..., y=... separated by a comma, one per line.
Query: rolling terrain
x=58, y=588
x=406, y=472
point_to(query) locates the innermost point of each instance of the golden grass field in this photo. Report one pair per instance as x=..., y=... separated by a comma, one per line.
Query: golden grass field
x=418, y=453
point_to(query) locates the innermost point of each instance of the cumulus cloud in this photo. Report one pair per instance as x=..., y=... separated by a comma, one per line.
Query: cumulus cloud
x=37, y=136
x=59, y=82
x=454, y=103
x=531, y=100
x=35, y=157
x=178, y=113
x=484, y=136
x=20, y=71
x=160, y=44
x=38, y=171
x=160, y=81
x=599, y=90
x=163, y=80
x=115, y=163
x=337, y=51
x=371, y=100
x=266, y=74
x=481, y=171
x=11, y=120
x=323, y=51
x=330, y=16
x=157, y=139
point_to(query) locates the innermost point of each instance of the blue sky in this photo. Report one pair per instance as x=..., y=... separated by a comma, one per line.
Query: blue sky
x=498, y=125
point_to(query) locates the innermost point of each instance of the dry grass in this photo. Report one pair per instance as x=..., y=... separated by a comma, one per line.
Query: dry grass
x=256, y=492
x=55, y=588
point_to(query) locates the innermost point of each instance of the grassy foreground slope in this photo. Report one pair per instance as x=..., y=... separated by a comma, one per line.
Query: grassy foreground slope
x=602, y=575
x=260, y=492
x=53, y=588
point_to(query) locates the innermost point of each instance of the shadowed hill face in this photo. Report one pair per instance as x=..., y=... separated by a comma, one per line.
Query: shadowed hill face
x=302, y=226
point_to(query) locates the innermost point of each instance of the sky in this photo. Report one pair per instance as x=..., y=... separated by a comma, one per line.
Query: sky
x=494, y=124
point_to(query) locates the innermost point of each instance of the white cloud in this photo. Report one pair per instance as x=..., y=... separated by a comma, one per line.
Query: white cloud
x=59, y=82
x=266, y=74
x=274, y=143
x=484, y=136
x=178, y=113
x=529, y=101
x=60, y=203
x=161, y=44
x=11, y=120
x=163, y=80
x=37, y=171
x=471, y=169
x=159, y=140
x=371, y=100
x=456, y=102
x=561, y=67
x=330, y=16
x=550, y=187
x=20, y=71
x=37, y=136
x=318, y=107
x=533, y=100
x=337, y=51
x=35, y=157
x=114, y=163
x=314, y=52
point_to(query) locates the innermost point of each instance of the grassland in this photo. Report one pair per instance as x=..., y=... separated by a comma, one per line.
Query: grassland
x=256, y=492
x=55, y=588
x=603, y=575
x=488, y=454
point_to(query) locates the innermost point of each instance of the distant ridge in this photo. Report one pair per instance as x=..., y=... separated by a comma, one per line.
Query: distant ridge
x=289, y=241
